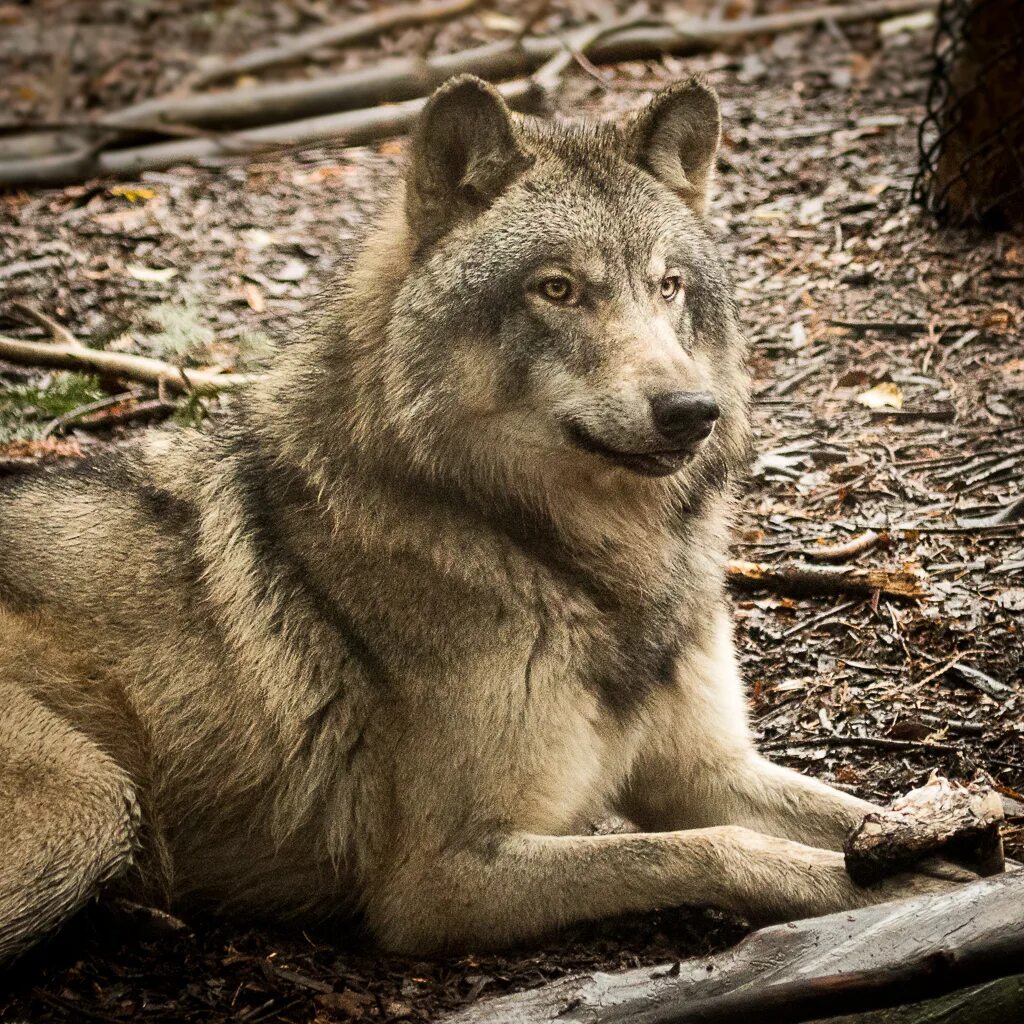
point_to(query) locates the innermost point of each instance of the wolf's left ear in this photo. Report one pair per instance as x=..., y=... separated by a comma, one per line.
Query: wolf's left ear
x=464, y=154
x=676, y=139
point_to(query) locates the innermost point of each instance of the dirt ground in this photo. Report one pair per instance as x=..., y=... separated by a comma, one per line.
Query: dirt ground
x=852, y=299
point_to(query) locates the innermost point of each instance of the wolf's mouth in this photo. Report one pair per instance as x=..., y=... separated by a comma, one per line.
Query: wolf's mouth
x=653, y=463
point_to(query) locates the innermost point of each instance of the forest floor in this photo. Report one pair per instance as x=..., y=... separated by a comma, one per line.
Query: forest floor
x=846, y=289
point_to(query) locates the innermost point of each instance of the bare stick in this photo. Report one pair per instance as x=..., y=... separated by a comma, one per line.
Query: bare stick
x=345, y=33
x=804, y=580
x=78, y=358
x=577, y=44
x=58, y=332
x=844, y=552
x=349, y=128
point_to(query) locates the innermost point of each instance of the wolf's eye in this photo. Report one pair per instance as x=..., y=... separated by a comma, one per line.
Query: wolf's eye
x=671, y=285
x=557, y=289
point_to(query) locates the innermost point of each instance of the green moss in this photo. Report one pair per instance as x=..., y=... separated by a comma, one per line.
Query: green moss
x=26, y=409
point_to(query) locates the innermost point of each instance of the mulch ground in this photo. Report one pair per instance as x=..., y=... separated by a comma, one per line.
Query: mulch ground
x=889, y=381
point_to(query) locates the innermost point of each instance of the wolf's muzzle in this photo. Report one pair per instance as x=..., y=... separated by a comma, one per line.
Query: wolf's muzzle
x=684, y=417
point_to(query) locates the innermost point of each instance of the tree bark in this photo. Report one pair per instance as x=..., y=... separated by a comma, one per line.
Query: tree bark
x=850, y=963
x=801, y=579
x=940, y=818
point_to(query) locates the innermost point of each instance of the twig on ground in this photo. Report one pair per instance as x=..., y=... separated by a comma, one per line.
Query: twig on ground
x=138, y=412
x=33, y=266
x=858, y=545
x=986, y=527
x=73, y=355
x=817, y=620
x=801, y=579
x=576, y=45
x=58, y=332
x=62, y=422
x=981, y=681
x=1012, y=513
x=884, y=742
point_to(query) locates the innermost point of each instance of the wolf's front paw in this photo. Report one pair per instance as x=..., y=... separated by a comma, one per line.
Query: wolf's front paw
x=810, y=882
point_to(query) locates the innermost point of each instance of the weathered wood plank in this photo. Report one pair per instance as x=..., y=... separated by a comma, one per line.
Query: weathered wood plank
x=883, y=956
x=994, y=1002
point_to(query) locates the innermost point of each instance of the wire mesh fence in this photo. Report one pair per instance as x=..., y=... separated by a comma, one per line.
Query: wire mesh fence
x=972, y=135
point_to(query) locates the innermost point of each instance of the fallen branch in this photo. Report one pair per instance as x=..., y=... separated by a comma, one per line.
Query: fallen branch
x=66, y=353
x=889, y=955
x=406, y=78
x=353, y=30
x=349, y=128
x=311, y=106
x=881, y=742
x=803, y=580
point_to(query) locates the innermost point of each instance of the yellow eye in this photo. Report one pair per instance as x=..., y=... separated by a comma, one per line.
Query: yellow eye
x=557, y=289
x=671, y=285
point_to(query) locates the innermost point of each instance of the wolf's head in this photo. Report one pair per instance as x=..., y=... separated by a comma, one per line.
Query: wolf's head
x=546, y=299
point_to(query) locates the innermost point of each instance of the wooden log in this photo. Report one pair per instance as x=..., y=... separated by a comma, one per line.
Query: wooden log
x=941, y=818
x=995, y=1001
x=894, y=954
x=800, y=579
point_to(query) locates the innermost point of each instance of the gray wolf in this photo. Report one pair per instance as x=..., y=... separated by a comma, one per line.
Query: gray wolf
x=448, y=587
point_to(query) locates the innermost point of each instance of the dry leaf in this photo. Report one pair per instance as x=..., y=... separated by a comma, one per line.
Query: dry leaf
x=133, y=193
x=497, y=22
x=321, y=174
x=154, y=274
x=882, y=396
x=254, y=297
x=1000, y=320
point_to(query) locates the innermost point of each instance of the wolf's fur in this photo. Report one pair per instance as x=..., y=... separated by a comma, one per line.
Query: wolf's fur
x=391, y=640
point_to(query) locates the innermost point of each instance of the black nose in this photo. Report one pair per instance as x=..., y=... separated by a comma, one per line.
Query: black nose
x=685, y=417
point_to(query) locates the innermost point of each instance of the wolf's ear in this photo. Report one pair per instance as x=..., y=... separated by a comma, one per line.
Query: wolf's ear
x=464, y=154
x=676, y=139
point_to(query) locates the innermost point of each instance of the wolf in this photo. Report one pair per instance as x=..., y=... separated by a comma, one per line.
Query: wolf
x=447, y=587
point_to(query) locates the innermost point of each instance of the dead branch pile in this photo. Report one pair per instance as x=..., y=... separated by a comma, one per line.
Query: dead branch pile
x=346, y=108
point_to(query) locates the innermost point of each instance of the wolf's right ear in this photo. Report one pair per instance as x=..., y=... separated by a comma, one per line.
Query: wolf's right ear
x=676, y=139
x=464, y=154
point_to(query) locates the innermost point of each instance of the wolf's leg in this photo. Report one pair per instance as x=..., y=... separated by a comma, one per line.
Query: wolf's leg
x=699, y=766
x=516, y=887
x=67, y=820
